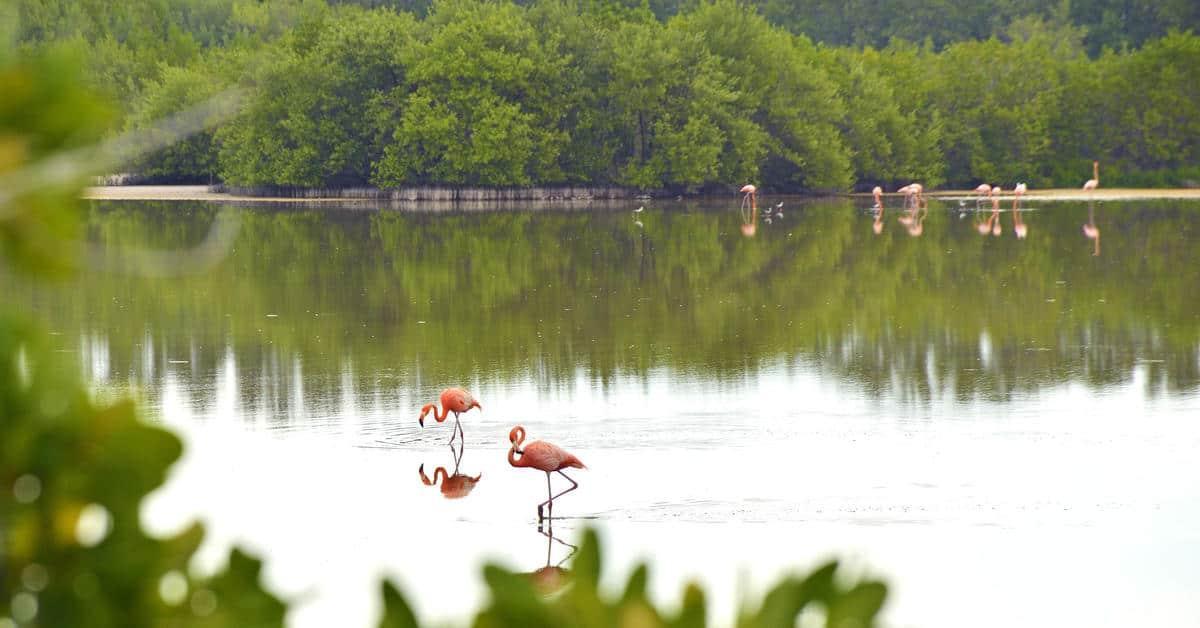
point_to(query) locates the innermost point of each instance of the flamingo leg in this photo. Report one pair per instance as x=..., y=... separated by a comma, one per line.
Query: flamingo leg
x=549, y=502
x=457, y=455
x=457, y=430
x=574, y=485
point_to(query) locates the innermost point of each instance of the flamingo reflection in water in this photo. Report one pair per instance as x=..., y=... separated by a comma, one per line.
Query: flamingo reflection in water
x=553, y=577
x=916, y=209
x=981, y=191
x=877, y=226
x=546, y=457
x=1019, y=227
x=992, y=224
x=1090, y=230
x=749, y=211
x=453, y=485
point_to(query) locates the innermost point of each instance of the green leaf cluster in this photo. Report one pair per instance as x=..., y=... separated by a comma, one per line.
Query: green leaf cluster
x=574, y=598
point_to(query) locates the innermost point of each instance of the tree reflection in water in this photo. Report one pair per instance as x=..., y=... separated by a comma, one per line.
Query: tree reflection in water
x=547, y=296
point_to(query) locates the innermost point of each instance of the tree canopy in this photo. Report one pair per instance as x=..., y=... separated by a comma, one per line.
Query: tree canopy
x=684, y=96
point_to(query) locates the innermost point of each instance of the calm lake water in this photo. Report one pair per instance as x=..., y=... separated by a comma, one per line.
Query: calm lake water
x=1006, y=429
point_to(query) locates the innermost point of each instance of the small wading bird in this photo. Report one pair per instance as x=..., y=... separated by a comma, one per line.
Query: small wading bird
x=1093, y=182
x=454, y=400
x=546, y=457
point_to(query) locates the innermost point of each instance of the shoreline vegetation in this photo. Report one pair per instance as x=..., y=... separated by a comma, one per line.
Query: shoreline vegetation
x=549, y=197
x=689, y=98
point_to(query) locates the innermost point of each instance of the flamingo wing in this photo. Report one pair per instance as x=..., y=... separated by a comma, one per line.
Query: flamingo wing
x=457, y=399
x=549, y=457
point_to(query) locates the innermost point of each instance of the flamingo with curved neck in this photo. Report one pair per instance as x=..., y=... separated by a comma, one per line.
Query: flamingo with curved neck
x=454, y=400
x=546, y=457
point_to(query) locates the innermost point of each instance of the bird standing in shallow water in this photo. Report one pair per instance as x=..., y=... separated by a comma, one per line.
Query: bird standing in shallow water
x=546, y=457
x=454, y=400
x=1093, y=182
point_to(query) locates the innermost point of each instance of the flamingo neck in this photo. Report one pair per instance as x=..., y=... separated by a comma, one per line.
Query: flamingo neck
x=514, y=460
x=438, y=413
x=1096, y=171
x=512, y=452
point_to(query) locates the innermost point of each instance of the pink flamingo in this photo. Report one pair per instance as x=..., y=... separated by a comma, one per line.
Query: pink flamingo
x=750, y=193
x=908, y=191
x=878, y=194
x=918, y=195
x=454, y=400
x=980, y=191
x=992, y=224
x=1093, y=182
x=542, y=456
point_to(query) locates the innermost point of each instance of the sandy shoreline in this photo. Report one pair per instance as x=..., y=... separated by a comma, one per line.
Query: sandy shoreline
x=201, y=193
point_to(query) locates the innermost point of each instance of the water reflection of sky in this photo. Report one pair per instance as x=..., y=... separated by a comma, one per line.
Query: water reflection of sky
x=1004, y=429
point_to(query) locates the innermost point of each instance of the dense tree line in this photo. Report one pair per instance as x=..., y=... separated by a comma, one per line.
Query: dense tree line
x=683, y=96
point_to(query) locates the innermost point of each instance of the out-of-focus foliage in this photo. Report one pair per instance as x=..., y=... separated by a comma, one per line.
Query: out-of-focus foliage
x=73, y=475
x=44, y=112
x=826, y=597
x=72, y=472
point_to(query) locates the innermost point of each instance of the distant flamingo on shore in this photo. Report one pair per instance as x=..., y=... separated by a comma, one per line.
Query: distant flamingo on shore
x=454, y=400
x=1093, y=182
x=546, y=457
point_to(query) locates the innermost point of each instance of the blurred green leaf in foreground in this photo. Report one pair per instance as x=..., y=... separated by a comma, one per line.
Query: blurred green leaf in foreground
x=73, y=473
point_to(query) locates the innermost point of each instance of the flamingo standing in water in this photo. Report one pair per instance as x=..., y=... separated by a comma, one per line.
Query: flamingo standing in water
x=980, y=191
x=1093, y=182
x=454, y=400
x=751, y=193
x=542, y=456
x=1019, y=227
x=877, y=226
